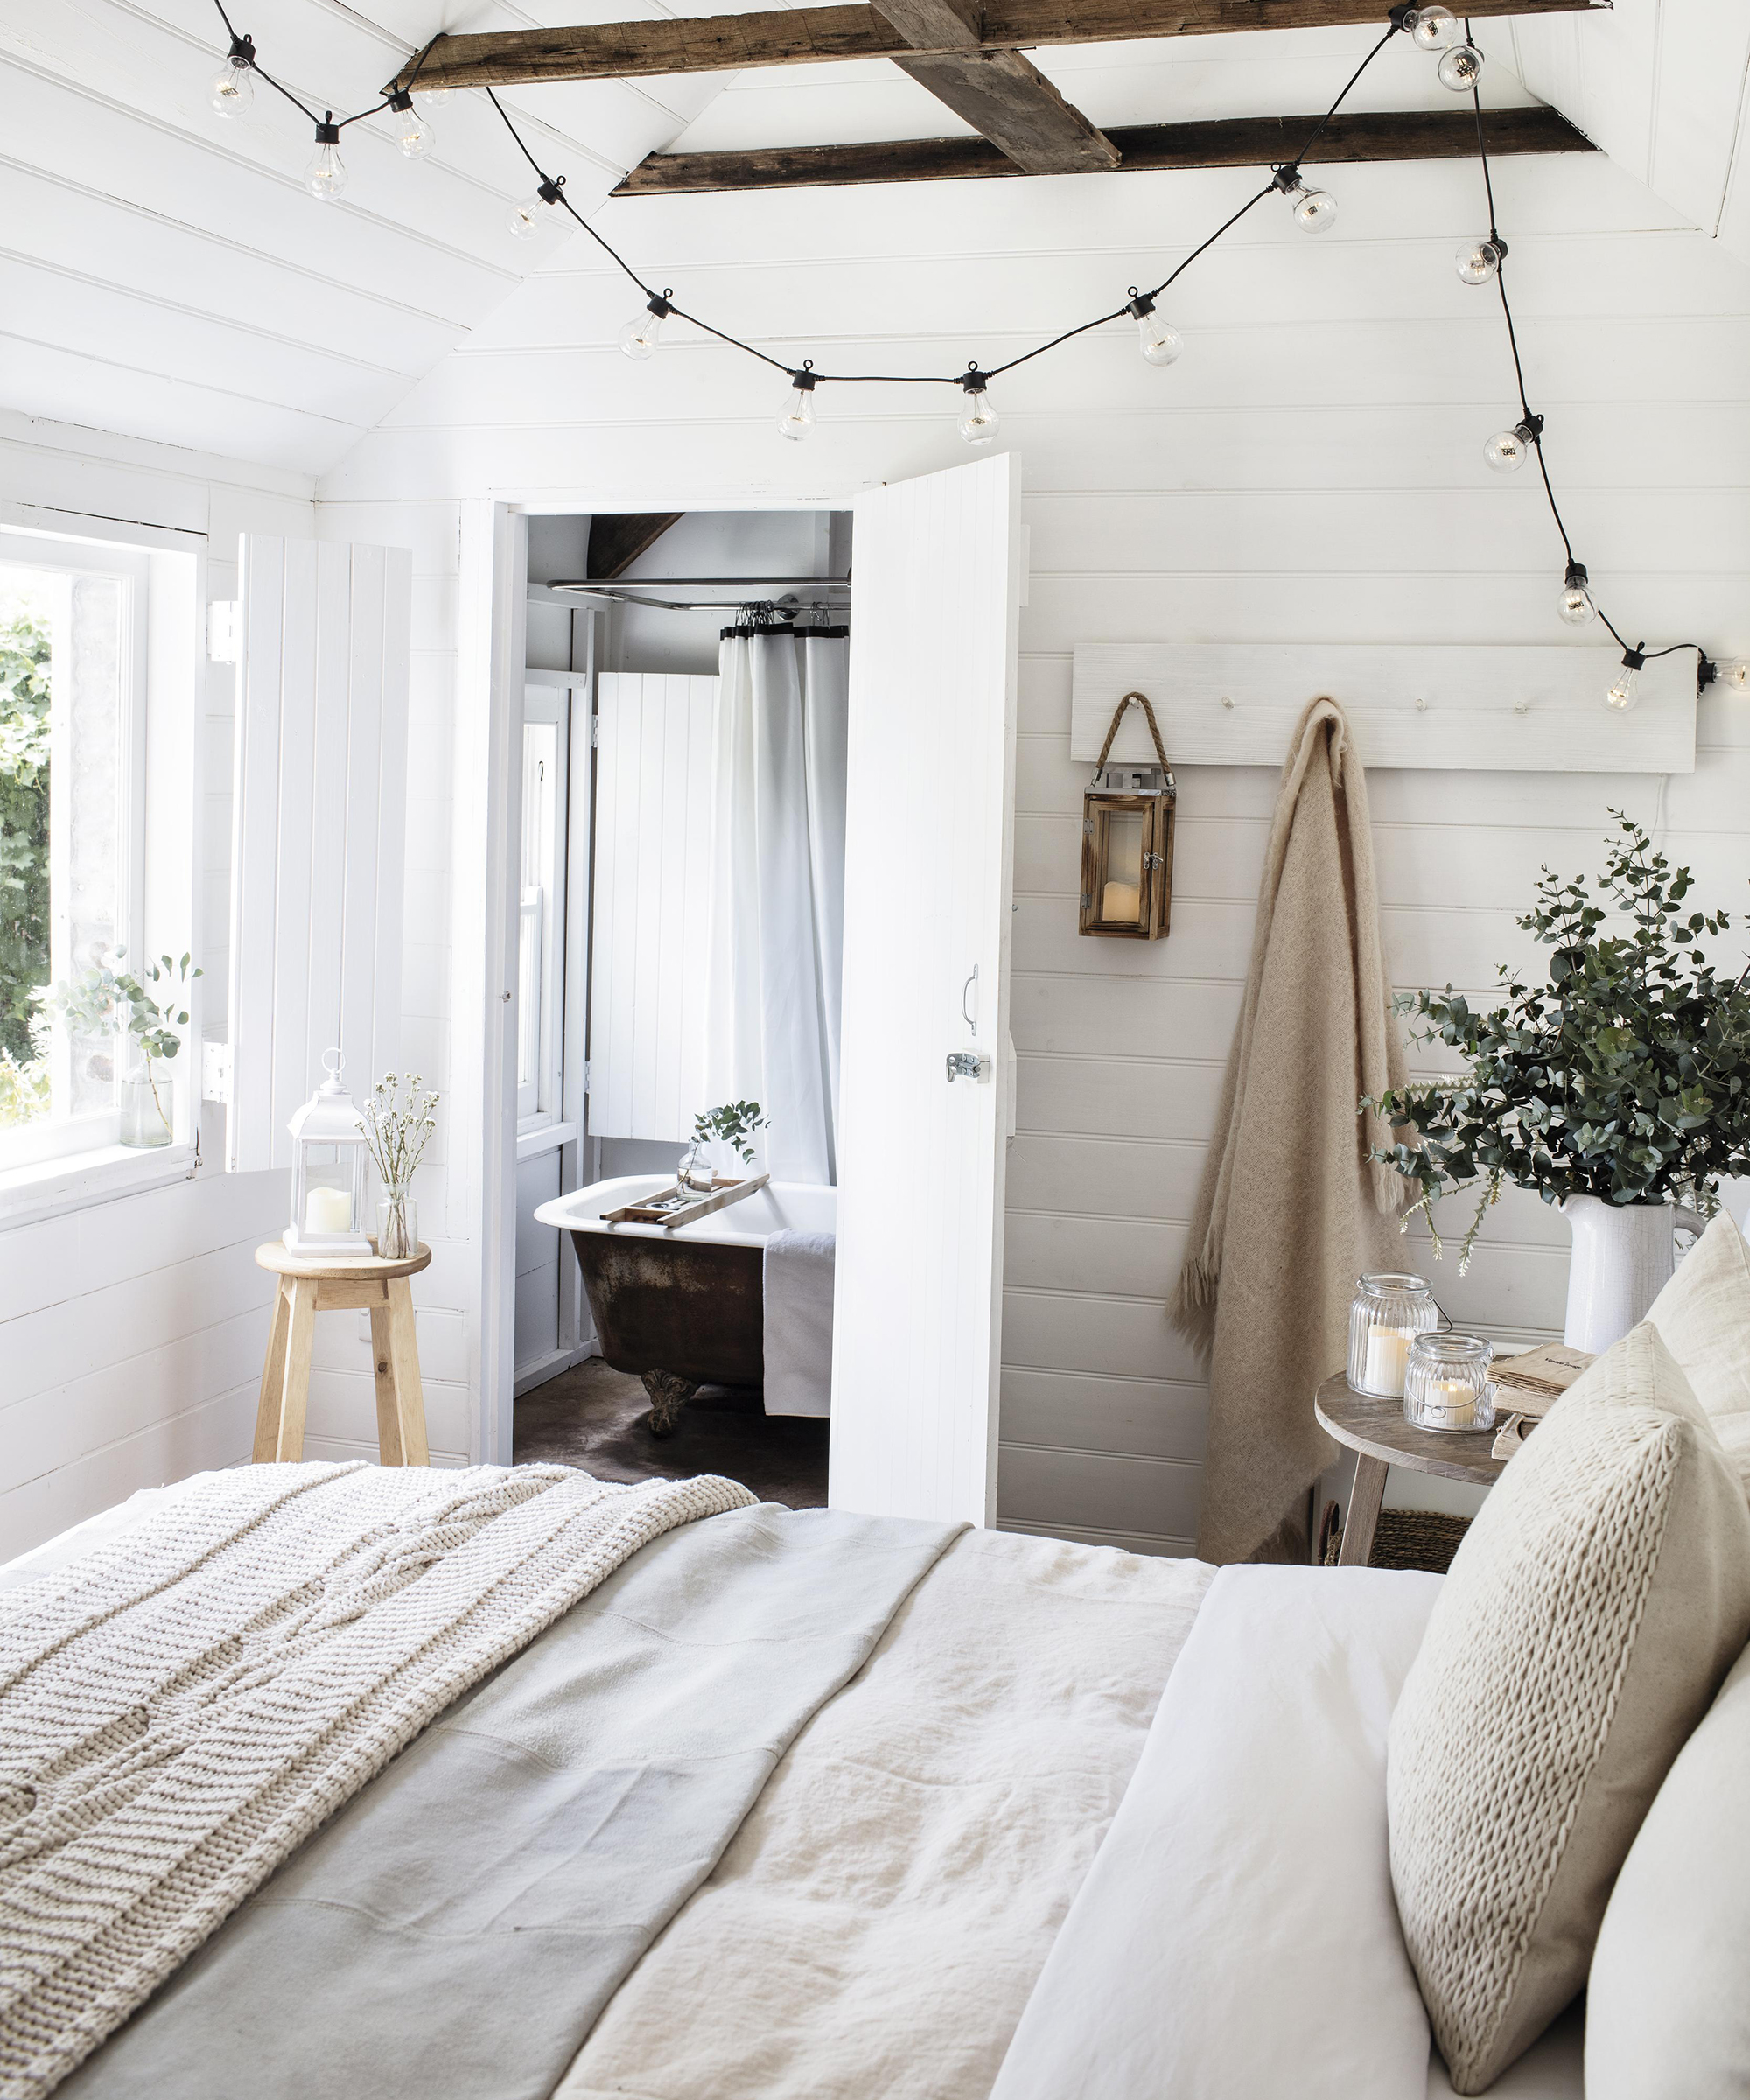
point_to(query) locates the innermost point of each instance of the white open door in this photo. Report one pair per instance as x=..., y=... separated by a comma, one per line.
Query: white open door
x=928, y=872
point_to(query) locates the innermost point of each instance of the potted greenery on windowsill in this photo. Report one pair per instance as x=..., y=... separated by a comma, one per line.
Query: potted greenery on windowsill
x=1620, y=1090
x=103, y=997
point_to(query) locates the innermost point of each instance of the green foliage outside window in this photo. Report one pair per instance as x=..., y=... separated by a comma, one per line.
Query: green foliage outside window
x=24, y=858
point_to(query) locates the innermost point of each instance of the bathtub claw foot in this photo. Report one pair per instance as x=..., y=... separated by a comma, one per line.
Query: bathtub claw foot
x=669, y=1393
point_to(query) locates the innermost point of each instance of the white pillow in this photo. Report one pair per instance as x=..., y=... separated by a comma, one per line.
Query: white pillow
x=1598, y=1600
x=1703, y=1316
x=1668, y=2001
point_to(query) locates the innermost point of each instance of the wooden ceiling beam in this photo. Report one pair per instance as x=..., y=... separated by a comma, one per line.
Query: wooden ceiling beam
x=1000, y=94
x=1223, y=143
x=804, y=36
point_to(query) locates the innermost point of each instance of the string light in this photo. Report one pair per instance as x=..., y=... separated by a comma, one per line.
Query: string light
x=798, y=418
x=1626, y=693
x=540, y=208
x=234, y=87
x=1433, y=28
x=638, y=337
x=413, y=134
x=1161, y=341
x=326, y=176
x=1506, y=451
x=1460, y=69
x=1575, y=603
x=979, y=422
x=1313, y=209
x=1478, y=261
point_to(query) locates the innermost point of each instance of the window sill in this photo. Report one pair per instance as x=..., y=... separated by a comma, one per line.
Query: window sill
x=48, y=1187
x=544, y=1137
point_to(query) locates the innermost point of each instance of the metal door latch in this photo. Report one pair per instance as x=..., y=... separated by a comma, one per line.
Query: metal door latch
x=967, y=1064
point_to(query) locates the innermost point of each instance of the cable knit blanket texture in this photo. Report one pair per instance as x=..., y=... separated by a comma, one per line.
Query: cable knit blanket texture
x=181, y=1711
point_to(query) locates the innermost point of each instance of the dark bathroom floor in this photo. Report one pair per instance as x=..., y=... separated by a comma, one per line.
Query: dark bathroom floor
x=595, y=1417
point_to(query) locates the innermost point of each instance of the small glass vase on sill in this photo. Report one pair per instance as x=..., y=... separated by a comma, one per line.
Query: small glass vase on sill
x=147, y=1101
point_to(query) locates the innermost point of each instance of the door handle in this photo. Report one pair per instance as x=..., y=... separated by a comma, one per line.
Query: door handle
x=965, y=992
x=967, y=1064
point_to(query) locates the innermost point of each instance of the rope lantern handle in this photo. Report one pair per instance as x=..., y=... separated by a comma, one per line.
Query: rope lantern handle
x=1142, y=702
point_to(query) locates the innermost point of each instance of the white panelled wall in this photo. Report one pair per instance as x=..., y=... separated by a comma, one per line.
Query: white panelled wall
x=1310, y=470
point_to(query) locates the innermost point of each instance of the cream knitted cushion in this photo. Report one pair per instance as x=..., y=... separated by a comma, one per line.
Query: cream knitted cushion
x=1703, y=1316
x=1596, y=1603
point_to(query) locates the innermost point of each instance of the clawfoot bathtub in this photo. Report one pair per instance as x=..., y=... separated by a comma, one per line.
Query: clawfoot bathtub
x=682, y=1308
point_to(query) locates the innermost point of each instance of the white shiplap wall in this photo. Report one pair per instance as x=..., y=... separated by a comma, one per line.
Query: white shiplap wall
x=1310, y=470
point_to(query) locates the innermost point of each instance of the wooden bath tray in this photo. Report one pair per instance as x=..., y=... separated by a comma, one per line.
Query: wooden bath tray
x=659, y=1209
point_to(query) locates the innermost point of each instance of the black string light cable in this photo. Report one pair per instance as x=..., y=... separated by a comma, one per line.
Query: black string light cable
x=1578, y=602
x=1433, y=27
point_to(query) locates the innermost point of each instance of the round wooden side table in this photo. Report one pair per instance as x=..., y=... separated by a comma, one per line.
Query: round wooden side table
x=1376, y=1432
x=306, y=1288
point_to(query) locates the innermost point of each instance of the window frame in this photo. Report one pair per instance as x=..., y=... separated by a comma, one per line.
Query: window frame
x=164, y=812
x=545, y=705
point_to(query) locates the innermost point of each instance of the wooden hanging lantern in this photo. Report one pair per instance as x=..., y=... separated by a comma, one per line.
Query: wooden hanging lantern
x=1127, y=841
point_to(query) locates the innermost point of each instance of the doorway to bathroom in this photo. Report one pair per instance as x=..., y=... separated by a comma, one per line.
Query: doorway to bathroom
x=679, y=927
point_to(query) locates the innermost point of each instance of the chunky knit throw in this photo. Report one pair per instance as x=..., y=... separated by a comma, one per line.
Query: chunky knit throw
x=182, y=1708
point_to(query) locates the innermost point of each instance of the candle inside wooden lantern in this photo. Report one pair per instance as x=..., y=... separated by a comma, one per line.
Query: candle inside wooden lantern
x=1127, y=817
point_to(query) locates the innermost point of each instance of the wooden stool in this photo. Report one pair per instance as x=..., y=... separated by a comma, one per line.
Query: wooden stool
x=306, y=1288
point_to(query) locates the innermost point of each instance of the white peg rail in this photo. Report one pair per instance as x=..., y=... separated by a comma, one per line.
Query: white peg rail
x=1493, y=709
x=319, y=827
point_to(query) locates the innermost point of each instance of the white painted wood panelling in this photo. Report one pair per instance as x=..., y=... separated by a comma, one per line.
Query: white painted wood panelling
x=648, y=915
x=916, y=1317
x=1450, y=710
x=1663, y=86
x=319, y=828
x=1309, y=471
x=162, y=271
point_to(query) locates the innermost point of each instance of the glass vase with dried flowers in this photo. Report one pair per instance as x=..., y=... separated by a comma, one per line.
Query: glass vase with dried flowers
x=398, y=1124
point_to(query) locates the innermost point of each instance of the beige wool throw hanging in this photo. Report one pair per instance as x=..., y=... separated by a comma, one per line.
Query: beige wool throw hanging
x=179, y=1712
x=1291, y=1210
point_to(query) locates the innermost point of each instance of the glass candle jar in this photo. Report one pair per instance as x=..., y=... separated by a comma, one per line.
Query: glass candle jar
x=1446, y=1383
x=1388, y=1312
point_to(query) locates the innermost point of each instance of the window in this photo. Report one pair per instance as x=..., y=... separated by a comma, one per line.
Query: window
x=541, y=926
x=73, y=656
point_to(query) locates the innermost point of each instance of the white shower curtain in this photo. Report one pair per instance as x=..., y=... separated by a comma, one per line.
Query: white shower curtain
x=777, y=897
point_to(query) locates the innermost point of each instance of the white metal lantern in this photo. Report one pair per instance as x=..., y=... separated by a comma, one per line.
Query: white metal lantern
x=328, y=1164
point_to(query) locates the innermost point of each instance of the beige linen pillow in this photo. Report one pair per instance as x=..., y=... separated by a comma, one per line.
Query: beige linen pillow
x=1703, y=1316
x=1598, y=1600
x=1668, y=2005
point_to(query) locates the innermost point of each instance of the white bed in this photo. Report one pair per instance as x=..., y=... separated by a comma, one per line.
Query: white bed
x=924, y=1903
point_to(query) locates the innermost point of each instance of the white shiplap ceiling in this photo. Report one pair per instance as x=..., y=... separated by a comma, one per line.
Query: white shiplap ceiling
x=162, y=273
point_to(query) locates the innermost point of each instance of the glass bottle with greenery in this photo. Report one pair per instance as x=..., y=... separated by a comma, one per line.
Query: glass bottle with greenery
x=733, y=1126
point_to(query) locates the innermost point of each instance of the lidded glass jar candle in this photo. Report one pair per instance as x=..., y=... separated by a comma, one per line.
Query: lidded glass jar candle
x=1446, y=1383
x=1387, y=1313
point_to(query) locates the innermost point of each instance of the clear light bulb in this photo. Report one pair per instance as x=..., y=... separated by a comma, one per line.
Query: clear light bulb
x=1626, y=692
x=1161, y=341
x=326, y=176
x=1460, y=69
x=1433, y=28
x=527, y=218
x=413, y=132
x=1478, y=261
x=433, y=98
x=798, y=418
x=638, y=337
x=234, y=86
x=1735, y=675
x=979, y=422
x=1507, y=450
x=1575, y=603
x=1314, y=210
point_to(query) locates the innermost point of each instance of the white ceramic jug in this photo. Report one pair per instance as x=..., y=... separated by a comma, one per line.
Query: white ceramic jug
x=1624, y=1254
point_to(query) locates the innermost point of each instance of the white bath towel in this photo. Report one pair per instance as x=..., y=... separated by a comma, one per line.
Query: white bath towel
x=799, y=1274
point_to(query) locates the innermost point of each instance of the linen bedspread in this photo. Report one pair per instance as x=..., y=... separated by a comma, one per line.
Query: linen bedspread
x=455, y=1929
